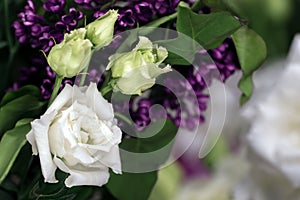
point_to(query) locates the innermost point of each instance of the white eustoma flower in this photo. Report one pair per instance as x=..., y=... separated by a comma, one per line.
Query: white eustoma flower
x=275, y=131
x=136, y=70
x=78, y=134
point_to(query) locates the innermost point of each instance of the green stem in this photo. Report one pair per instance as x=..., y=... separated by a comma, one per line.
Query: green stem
x=57, y=84
x=85, y=71
x=162, y=20
x=12, y=46
x=7, y=25
x=123, y=117
x=83, y=76
x=105, y=90
x=107, y=79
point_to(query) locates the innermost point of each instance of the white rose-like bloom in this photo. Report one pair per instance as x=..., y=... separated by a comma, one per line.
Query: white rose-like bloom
x=275, y=131
x=78, y=134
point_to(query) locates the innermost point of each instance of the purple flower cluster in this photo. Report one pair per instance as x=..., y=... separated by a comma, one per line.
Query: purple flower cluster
x=165, y=7
x=54, y=6
x=32, y=28
x=225, y=58
x=198, y=78
x=89, y=4
x=41, y=33
x=141, y=12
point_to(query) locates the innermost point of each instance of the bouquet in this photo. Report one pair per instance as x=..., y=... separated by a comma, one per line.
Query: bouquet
x=97, y=94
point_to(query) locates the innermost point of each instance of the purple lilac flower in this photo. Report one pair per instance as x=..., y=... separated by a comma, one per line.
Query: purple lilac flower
x=46, y=42
x=126, y=19
x=99, y=13
x=30, y=26
x=225, y=58
x=69, y=21
x=89, y=4
x=144, y=11
x=54, y=6
x=20, y=32
x=163, y=7
x=34, y=29
x=42, y=34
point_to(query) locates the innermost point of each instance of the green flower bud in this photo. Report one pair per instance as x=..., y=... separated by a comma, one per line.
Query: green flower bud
x=136, y=71
x=72, y=55
x=100, y=32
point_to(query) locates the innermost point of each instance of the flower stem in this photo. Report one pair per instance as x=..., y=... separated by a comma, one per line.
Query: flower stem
x=85, y=71
x=162, y=20
x=83, y=76
x=57, y=84
x=107, y=79
x=124, y=118
x=105, y=90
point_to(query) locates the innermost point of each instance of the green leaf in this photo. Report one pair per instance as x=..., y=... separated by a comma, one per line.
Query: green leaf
x=3, y=44
x=26, y=106
x=151, y=139
x=181, y=50
x=58, y=191
x=6, y=195
x=11, y=144
x=132, y=186
x=251, y=51
x=28, y=89
x=168, y=183
x=214, y=4
x=209, y=30
x=156, y=148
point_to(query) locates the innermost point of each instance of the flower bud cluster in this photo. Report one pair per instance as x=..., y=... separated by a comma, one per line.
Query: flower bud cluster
x=73, y=54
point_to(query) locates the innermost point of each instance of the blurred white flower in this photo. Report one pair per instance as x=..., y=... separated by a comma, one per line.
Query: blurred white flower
x=77, y=134
x=262, y=182
x=275, y=130
x=230, y=170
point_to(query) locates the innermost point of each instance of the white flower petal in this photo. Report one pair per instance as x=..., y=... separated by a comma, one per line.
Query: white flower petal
x=144, y=43
x=293, y=56
x=155, y=71
x=63, y=99
x=112, y=160
x=40, y=130
x=56, y=140
x=82, y=155
x=97, y=177
x=31, y=139
x=274, y=134
x=135, y=82
x=100, y=105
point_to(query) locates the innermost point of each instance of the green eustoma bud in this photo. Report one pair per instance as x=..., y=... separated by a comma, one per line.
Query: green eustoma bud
x=72, y=55
x=100, y=32
x=136, y=71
